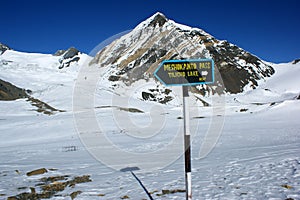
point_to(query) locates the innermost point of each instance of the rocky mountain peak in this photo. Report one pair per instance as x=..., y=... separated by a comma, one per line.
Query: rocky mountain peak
x=3, y=48
x=137, y=54
x=159, y=19
x=67, y=56
x=69, y=53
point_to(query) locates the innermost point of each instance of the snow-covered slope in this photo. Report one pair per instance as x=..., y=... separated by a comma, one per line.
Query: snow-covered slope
x=43, y=75
x=245, y=145
x=255, y=157
x=283, y=86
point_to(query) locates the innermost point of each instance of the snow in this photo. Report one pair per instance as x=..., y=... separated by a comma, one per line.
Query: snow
x=252, y=138
x=286, y=78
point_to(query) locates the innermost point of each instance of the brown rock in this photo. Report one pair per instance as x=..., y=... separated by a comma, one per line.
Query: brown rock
x=37, y=172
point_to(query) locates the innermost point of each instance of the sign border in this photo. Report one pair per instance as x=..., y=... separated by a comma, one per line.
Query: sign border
x=184, y=61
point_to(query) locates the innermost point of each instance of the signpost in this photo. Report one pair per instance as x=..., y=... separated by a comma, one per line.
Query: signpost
x=186, y=73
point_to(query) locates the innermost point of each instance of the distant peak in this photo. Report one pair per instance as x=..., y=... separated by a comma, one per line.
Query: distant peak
x=3, y=48
x=296, y=61
x=158, y=14
x=71, y=50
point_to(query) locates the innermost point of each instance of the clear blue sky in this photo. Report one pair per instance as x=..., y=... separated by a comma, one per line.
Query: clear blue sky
x=269, y=29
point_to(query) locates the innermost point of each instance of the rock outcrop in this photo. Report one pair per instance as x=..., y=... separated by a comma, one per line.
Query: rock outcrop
x=67, y=57
x=9, y=91
x=3, y=48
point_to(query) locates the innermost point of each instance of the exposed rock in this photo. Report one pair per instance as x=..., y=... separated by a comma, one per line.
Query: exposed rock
x=52, y=179
x=70, y=53
x=244, y=110
x=148, y=96
x=131, y=110
x=59, y=52
x=50, y=186
x=164, y=192
x=67, y=63
x=70, y=148
x=158, y=95
x=43, y=107
x=67, y=57
x=296, y=61
x=37, y=172
x=126, y=109
x=3, y=48
x=55, y=187
x=159, y=19
x=73, y=195
x=80, y=179
x=287, y=186
x=10, y=92
x=114, y=78
x=237, y=67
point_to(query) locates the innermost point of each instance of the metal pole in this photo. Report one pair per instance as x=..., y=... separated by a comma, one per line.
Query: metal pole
x=187, y=143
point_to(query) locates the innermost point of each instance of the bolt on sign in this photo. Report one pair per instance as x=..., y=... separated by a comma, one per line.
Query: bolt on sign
x=185, y=72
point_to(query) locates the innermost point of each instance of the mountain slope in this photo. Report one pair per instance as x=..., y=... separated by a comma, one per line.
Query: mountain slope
x=255, y=147
x=45, y=80
x=9, y=91
x=137, y=54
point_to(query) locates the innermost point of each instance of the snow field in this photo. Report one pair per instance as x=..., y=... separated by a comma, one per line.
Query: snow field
x=255, y=157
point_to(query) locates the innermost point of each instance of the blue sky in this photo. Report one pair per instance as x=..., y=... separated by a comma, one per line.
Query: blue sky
x=266, y=28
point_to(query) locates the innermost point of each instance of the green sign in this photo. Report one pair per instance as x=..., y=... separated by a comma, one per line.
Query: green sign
x=185, y=72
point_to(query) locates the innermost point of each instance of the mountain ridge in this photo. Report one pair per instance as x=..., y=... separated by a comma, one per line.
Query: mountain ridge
x=9, y=91
x=137, y=54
